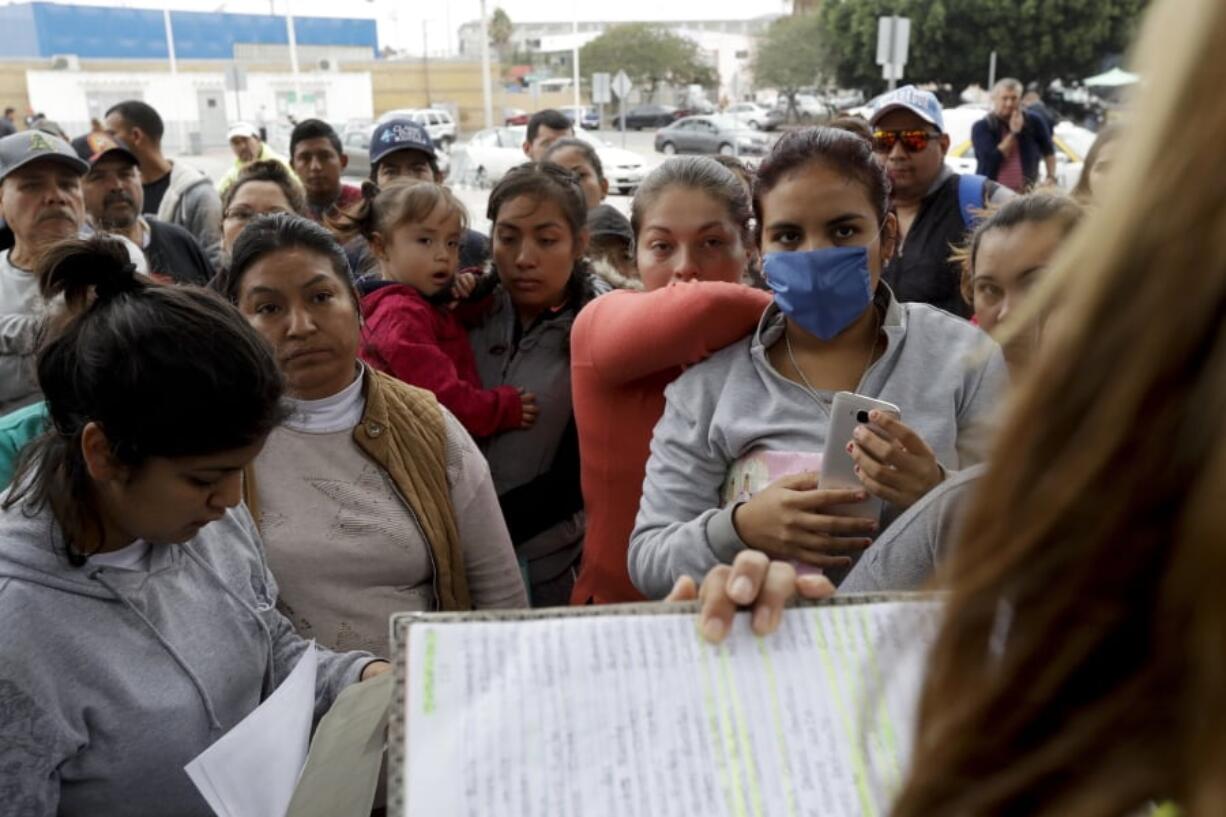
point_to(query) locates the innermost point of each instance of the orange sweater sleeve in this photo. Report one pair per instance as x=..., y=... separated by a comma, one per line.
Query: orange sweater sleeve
x=625, y=336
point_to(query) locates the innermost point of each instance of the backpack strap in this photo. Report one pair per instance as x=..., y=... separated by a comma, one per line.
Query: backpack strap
x=972, y=196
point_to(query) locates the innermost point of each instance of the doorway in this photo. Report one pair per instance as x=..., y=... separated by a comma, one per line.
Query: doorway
x=212, y=107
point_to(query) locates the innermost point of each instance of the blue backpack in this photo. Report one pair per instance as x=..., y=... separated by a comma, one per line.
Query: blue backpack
x=972, y=196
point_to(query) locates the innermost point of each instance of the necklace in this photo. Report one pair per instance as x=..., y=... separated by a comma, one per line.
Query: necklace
x=814, y=393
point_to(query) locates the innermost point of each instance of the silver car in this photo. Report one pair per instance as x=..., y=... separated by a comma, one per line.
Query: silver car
x=711, y=134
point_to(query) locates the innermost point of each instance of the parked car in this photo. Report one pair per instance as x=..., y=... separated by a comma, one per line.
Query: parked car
x=845, y=100
x=755, y=116
x=623, y=169
x=710, y=134
x=438, y=124
x=583, y=115
x=515, y=116
x=809, y=108
x=698, y=107
x=485, y=158
x=648, y=116
x=356, y=144
x=357, y=147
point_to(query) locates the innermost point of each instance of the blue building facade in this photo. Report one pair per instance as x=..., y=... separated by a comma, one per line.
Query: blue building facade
x=40, y=30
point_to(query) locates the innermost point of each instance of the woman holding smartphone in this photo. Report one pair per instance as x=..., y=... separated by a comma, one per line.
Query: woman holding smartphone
x=821, y=202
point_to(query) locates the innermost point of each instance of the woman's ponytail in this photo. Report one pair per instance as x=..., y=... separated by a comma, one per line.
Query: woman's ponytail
x=164, y=371
x=98, y=266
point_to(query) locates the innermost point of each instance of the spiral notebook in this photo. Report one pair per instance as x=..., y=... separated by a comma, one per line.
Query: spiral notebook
x=624, y=711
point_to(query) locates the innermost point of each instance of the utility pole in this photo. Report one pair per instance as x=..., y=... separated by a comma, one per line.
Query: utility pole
x=425, y=60
x=293, y=52
x=180, y=126
x=574, y=8
x=486, y=91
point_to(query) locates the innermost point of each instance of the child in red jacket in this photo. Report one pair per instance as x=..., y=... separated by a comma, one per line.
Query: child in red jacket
x=409, y=331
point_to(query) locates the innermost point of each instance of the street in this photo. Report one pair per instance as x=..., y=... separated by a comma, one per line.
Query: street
x=216, y=162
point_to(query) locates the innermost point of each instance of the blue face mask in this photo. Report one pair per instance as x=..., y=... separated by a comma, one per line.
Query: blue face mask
x=824, y=291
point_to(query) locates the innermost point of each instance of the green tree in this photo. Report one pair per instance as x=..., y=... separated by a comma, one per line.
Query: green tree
x=649, y=55
x=789, y=56
x=500, y=29
x=952, y=40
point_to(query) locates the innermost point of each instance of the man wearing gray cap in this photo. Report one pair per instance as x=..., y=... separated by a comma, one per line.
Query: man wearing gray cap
x=40, y=198
x=936, y=207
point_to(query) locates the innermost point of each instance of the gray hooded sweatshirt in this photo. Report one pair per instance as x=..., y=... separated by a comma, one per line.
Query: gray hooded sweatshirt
x=908, y=553
x=192, y=202
x=946, y=375
x=111, y=680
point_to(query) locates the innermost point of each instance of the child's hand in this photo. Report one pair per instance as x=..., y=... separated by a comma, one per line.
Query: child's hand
x=463, y=286
x=528, y=399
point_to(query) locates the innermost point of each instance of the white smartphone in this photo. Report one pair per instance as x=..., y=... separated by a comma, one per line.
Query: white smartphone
x=838, y=468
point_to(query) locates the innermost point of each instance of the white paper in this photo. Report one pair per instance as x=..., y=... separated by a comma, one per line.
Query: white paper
x=251, y=770
x=636, y=715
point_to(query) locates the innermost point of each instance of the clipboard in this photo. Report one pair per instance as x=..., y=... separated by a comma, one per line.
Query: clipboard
x=401, y=623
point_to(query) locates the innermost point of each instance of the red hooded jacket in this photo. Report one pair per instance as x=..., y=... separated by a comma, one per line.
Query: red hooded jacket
x=424, y=345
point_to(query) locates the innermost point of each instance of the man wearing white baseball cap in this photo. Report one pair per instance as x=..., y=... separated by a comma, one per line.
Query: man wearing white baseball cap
x=245, y=142
x=936, y=207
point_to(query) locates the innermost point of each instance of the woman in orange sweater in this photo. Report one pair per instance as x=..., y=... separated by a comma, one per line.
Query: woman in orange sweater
x=694, y=245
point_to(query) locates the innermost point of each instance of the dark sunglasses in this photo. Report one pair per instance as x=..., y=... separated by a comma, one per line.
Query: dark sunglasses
x=913, y=141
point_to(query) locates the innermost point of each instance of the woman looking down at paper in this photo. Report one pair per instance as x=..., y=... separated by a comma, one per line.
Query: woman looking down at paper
x=139, y=615
x=370, y=496
x=822, y=206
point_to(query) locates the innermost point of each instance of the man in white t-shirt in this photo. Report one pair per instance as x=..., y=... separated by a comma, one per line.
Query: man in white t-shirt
x=41, y=200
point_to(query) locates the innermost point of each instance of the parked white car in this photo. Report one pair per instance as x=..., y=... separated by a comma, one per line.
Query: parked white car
x=484, y=159
x=438, y=123
x=487, y=156
x=624, y=169
x=755, y=116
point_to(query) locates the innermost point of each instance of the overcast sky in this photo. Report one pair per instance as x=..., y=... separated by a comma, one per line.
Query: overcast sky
x=400, y=21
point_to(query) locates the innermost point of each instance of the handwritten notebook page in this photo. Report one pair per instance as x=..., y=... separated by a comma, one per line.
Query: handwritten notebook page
x=635, y=715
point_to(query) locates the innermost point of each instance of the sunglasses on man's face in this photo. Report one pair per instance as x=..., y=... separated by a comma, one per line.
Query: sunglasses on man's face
x=913, y=141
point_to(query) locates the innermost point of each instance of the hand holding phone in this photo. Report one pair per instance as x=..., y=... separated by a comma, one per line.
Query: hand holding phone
x=792, y=519
x=892, y=461
x=848, y=412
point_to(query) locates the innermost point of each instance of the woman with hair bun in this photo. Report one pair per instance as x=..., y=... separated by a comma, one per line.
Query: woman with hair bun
x=140, y=616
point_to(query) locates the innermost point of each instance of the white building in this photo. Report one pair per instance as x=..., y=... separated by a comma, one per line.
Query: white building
x=727, y=44
x=198, y=102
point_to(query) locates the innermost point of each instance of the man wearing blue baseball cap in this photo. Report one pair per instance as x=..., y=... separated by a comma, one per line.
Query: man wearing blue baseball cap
x=402, y=149
x=936, y=207
x=41, y=200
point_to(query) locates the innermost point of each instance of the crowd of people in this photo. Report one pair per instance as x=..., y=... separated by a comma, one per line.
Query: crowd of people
x=243, y=417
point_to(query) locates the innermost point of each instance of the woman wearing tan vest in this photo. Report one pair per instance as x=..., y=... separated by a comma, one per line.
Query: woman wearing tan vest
x=371, y=498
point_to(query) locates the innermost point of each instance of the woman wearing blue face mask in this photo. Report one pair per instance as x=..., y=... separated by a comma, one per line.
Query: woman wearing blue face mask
x=761, y=408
